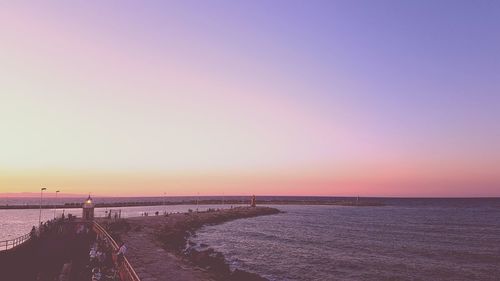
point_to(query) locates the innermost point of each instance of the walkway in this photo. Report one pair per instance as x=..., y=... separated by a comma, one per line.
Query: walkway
x=160, y=266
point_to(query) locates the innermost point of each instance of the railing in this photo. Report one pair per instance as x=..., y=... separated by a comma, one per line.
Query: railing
x=127, y=273
x=12, y=243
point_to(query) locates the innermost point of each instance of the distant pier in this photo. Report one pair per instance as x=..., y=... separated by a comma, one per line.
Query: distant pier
x=227, y=202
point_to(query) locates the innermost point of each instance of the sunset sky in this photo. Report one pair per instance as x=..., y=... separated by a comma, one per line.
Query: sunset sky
x=369, y=98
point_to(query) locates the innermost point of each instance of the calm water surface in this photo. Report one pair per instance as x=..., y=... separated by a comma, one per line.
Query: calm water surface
x=438, y=240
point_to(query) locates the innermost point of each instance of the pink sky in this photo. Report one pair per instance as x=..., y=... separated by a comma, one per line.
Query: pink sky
x=141, y=100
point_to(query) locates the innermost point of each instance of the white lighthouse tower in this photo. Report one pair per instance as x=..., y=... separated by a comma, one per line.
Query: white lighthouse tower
x=88, y=209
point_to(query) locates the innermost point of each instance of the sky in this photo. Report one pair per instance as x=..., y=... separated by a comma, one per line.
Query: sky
x=322, y=98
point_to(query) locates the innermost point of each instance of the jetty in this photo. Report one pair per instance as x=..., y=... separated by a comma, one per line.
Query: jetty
x=347, y=201
x=158, y=245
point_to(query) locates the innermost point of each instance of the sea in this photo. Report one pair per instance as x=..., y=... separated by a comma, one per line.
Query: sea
x=406, y=239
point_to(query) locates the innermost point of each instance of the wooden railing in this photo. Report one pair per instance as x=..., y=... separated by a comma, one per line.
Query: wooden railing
x=12, y=243
x=127, y=273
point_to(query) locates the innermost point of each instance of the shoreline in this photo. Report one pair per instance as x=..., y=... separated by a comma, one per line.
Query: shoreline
x=172, y=234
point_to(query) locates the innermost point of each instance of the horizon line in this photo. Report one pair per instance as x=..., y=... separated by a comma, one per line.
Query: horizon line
x=71, y=195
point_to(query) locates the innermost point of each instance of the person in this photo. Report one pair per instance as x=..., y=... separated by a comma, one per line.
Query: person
x=101, y=257
x=121, y=252
x=33, y=232
x=96, y=274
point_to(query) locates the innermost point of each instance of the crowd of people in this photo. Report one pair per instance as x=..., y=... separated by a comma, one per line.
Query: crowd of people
x=55, y=226
x=157, y=213
x=101, y=262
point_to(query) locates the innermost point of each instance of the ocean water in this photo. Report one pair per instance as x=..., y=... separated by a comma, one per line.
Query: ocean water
x=409, y=239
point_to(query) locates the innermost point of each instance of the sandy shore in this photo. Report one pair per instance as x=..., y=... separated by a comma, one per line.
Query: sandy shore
x=158, y=250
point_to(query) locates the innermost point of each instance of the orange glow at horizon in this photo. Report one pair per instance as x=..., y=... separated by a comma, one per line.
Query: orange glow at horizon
x=372, y=182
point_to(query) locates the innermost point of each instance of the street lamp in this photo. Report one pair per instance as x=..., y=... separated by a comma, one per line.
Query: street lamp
x=55, y=207
x=197, y=199
x=164, y=202
x=40, y=215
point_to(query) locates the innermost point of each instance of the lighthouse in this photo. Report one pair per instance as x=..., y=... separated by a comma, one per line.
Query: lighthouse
x=88, y=209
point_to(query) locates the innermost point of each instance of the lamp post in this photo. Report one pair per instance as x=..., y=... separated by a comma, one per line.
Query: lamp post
x=40, y=215
x=55, y=207
x=165, y=202
x=197, y=199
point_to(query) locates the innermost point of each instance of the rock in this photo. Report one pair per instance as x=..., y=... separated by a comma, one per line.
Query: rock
x=209, y=259
x=240, y=275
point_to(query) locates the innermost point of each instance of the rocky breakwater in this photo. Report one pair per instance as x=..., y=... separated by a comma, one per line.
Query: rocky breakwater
x=159, y=247
x=175, y=238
